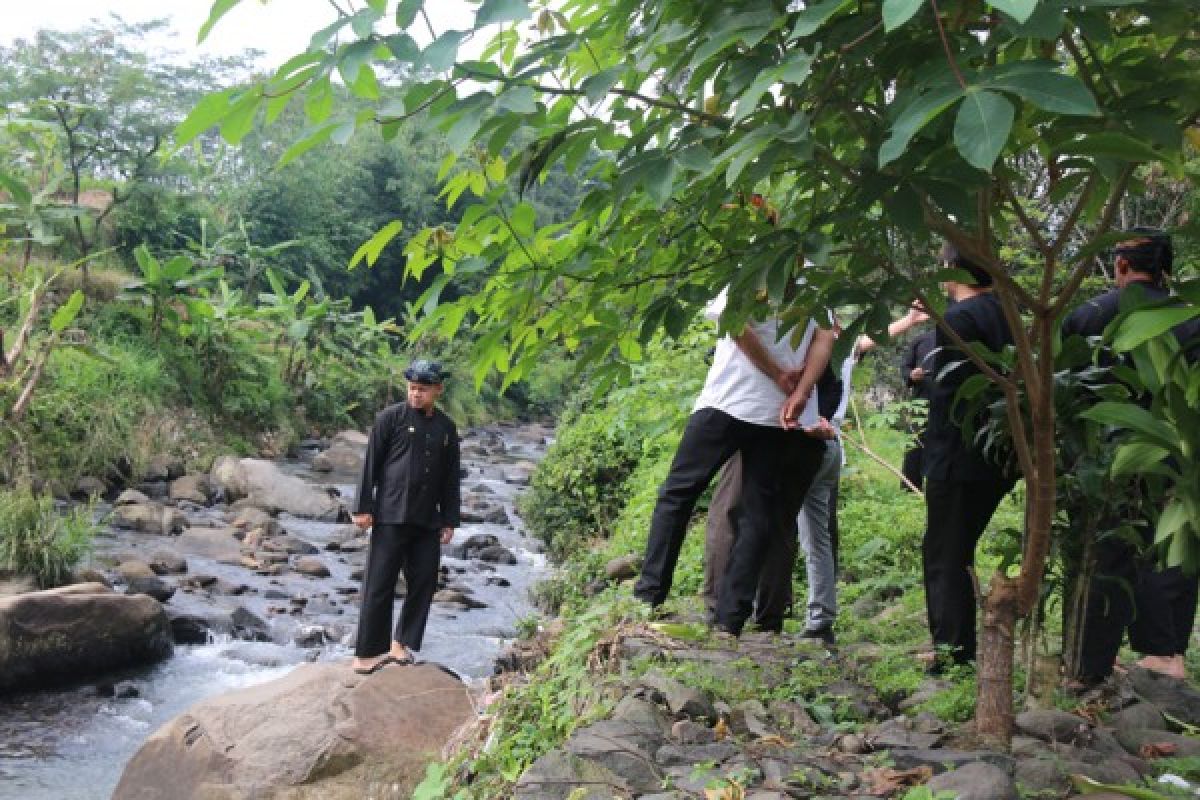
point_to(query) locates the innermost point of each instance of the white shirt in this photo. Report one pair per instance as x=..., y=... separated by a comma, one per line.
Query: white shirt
x=739, y=388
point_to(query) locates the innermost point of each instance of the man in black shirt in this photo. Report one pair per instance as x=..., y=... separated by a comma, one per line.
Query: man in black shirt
x=409, y=497
x=963, y=486
x=917, y=372
x=1164, y=600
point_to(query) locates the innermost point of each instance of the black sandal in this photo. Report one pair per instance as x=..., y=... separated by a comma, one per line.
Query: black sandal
x=371, y=670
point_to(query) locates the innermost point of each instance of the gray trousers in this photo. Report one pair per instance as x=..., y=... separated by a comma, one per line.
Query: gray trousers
x=817, y=541
x=774, y=595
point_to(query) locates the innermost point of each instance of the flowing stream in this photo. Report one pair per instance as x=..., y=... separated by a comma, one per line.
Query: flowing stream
x=72, y=743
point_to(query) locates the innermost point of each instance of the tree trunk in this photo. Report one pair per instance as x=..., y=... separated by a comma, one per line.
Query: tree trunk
x=994, y=708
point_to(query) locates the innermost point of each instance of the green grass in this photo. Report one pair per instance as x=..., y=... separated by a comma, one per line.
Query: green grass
x=37, y=541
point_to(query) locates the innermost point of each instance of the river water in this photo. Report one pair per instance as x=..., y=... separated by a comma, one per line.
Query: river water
x=73, y=743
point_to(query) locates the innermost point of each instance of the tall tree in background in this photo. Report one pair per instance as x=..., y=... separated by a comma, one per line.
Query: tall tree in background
x=113, y=103
x=872, y=125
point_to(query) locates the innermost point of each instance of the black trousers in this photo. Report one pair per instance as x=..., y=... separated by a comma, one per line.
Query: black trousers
x=913, y=466
x=1165, y=611
x=1109, y=606
x=780, y=479
x=709, y=439
x=957, y=513
x=416, y=550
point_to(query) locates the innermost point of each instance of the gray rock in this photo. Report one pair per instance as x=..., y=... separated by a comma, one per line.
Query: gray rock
x=248, y=625
x=671, y=755
x=559, y=775
x=154, y=586
x=941, y=760
x=131, y=569
x=687, y=731
x=192, y=488
x=976, y=781
x=319, y=732
x=639, y=713
x=264, y=485
x=680, y=699
x=899, y=732
x=196, y=628
x=1139, y=715
x=289, y=545
x=624, y=749
x=342, y=456
x=90, y=486
x=131, y=497
x=1134, y=739
x=165, y=562
x=1165, y=692
x=149, y=518
x=1051, y=725
x=1054, y=774
x=312, y=567
x=497, y=554
x=70, y=633
x=623, y=567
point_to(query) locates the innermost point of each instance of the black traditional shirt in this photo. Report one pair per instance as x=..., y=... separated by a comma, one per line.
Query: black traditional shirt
x=1092, y=317
x=411, y=472
x=916, y=355
x=949, y=456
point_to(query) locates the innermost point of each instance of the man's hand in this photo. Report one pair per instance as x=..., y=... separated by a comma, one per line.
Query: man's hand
x=447, y=535
x=793, y=407
x=822, y=430
x=363, y=521
x=917, y=375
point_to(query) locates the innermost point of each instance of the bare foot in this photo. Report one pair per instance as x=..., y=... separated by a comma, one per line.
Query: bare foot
x=1171, y=666
x=367, y=666
x=400, y=654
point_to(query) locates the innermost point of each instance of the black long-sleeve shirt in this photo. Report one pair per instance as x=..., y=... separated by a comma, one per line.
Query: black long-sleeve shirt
x=948, y=455
x=411, y=472
x=1092, y=317
x=917, y=354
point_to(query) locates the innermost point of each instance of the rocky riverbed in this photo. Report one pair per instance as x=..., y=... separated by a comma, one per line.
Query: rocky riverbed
x=257, y=571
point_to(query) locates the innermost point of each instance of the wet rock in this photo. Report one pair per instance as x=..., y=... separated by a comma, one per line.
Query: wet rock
x=320, y=731
x=128, y=570
x=192, y=488
x=165, y=562
x=497, y=554
x=249, y=626
x=623, y=568
x=131, y=497
x=266, y=486
x=196, y=628
x=975, y=782
x=149, y=518
x=122, y=690
x=474, y=543
x=496, y=580
x=70, y=633
x=310, y=636
x=154, y=586
x=251, y=517
x=198, y=581
x=290, y=545
x=89, y=486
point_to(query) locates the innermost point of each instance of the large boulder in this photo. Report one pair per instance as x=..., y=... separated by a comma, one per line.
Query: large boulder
x=344, y=455
x=66, y=634
x=149, y=518
x=263, y=485
x=319, y=732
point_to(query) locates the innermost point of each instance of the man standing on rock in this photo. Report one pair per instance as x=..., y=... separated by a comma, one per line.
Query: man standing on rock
x=409, y=498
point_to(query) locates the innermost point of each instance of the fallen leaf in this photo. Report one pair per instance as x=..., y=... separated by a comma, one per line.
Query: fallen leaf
x=1152, y=750
x=730, y=792
x=774, y=739
x=721, y=729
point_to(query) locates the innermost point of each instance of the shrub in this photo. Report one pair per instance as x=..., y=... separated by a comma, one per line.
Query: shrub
x=36, y=540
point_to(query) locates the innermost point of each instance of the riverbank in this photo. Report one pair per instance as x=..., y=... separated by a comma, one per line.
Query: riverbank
x=247, y=612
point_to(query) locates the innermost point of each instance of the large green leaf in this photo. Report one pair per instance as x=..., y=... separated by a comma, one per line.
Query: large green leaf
x=814, y=15
x=1132, y=417
x=1111, y=145
x=1017, y=9
x=1049, y=90
x=494, y=12
x=440, y=54
x=371, y=248
x=1141, y=326
x=67, y=312
x=219, y=9
x=982, y=127
x=207, y=113
x=898, y=12
x=915, y=116
x=1137, y=458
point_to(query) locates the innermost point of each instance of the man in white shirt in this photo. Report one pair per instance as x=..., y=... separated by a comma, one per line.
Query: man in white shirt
x=739, y=411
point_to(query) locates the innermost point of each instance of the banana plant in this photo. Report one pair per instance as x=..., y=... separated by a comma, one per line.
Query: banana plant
x=167, y=288
x=299, y=317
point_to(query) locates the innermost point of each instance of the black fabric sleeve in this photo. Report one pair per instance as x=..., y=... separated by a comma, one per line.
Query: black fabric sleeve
x=451, y=495
x=372, y=471
x=910, y=362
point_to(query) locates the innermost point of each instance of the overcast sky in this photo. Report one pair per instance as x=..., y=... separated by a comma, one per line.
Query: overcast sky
x=280, y=28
